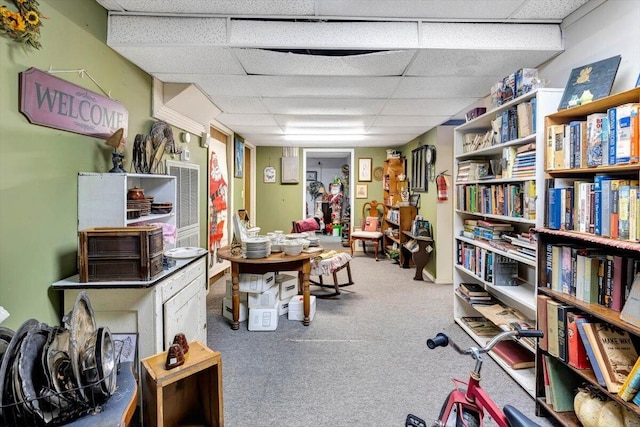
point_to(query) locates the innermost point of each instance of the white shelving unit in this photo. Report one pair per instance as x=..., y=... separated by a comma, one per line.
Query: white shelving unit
x=102, y=198
x=523, y=296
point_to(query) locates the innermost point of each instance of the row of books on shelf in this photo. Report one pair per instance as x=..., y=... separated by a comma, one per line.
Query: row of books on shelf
x=607, y=206
x=475, y=294
x=472, y=170
x=516, y=200
x=610, y=138
x=604, y=352
x=590, y=274
x=491, y=267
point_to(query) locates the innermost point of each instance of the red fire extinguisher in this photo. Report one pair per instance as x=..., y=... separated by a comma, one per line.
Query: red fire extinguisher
x=443, y=189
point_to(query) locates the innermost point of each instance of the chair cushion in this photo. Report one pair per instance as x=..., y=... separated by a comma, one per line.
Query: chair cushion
x=309, y=224
x=361, y=234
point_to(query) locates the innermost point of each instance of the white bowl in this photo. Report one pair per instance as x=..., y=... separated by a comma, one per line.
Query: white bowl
x=292, y=247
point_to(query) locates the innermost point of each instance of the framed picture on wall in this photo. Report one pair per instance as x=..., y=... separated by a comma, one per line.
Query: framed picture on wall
x=239, y=158
x=312, y=176
x=364, y=169
x=269, y=175
x=361, y=191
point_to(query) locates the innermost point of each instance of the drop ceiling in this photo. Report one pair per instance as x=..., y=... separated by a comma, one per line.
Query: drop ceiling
x=337, y=73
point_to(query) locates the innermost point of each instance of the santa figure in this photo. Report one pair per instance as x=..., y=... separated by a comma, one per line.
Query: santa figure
x=217, y=206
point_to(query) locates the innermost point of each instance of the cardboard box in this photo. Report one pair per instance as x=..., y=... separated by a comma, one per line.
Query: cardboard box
x=288, y=286
x=256, y=283
x=283, y=307
x=266, y=299
x=263, y=319
x=228, y=293
x=227, y=310
x=296, y=308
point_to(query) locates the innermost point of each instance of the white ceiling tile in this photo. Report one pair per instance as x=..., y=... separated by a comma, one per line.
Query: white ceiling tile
x=344, y=106
x=547, y=9
x=161, y=30
x=230, y=7
x=183, y=59
x=264, y=62
x=426, y=106
x=442, y=87
x=393, y=130
x=250, y=129
x=318, y=35
x=438, y=35
x=240, y=104
x=324, y=121
x=469, y=62
x=324, y=86
x=411, y=121
x=214, y=85
x=246, y=119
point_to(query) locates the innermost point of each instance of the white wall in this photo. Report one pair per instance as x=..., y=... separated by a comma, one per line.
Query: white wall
x=610, y=29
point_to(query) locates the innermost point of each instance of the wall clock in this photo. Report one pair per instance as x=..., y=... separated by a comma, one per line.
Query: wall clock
x=430, y=160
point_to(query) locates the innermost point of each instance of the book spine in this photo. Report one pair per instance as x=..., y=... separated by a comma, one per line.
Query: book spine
x=577, y=353
x=594, y=139
x=605, y=207
x=623, y=134
x=597, y=201
x=631, y=385
x=562, y=333
x=612, y=134
x=552, y=327
x=590, y=353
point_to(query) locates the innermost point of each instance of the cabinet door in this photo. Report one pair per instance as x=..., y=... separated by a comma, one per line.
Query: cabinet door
x=186, y=312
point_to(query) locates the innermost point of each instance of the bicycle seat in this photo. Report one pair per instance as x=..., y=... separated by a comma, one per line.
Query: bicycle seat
x=517, y=418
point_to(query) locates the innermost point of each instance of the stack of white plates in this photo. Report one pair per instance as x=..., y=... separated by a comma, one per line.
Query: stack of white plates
x=313, y=241
x=257, y=247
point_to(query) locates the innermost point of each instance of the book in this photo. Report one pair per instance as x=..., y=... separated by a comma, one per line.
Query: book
x=577, y=354
x=563, y=384
x=595, y=139
x=547, y=385
x=542, y=319
x=481, y=326
x=473, y=289
x=514, y=355
x=590, y=351
x=552, y=327
x=614, y=352
x=631, y=385
x=631, y=311
x=563, y=336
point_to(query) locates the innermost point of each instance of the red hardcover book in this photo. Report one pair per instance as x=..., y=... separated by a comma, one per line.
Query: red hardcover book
x=577, y=353
x=515, y=355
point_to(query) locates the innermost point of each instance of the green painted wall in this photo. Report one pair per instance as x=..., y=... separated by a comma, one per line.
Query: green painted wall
x=39, y=166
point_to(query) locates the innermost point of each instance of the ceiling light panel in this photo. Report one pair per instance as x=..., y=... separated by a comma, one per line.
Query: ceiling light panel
x=324, y=86
x=264, y=62
x=426, y=107
x=323, y=106
x=324, y=121
x=163, y=30
x=318, y=35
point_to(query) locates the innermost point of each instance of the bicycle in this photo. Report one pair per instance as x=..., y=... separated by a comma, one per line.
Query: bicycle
x=468, y=407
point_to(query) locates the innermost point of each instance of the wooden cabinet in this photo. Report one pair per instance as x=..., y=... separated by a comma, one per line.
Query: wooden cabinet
x=592, y=244
x=499, y=179
x=156, y=310
x=190, y=394
x=102, y=198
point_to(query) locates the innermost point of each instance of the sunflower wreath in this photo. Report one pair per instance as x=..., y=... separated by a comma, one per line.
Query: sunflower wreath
x=24, y=25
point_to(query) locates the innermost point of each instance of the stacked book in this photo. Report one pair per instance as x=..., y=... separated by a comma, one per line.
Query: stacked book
x=525, y=161
x=491, y=230
x=473, y=293
x=471, y=170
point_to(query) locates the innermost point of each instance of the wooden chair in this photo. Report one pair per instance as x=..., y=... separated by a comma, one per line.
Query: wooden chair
x=372, y=213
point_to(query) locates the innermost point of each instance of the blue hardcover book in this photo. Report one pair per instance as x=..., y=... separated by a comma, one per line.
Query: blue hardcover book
x=590, y=353
x=613, y=135
x=554, y=217
x=577, y=143
x=605, y=140
x=605, y=207
x=597, y=199
x=636, y=399
x=533, y=110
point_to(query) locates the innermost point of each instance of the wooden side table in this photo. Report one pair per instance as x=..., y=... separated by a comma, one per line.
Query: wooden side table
x=188, y=394
x=421, y=256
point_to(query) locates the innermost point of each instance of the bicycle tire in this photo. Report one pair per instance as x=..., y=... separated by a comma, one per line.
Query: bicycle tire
x=468, y=418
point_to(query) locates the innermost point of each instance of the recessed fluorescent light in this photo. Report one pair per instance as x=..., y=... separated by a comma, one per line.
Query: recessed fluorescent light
x=324, y=137
x=323, y=131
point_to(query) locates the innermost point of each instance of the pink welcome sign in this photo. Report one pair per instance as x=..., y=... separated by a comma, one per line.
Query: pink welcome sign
x=46, y=100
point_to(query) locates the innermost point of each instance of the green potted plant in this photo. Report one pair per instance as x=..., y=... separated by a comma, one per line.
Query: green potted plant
x=393, y=254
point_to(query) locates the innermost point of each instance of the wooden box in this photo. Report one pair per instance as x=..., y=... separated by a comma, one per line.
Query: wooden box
x=190, y=394
x=120, y=253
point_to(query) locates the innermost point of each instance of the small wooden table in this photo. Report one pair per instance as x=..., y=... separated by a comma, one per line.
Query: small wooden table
x=273, y=263
x=421, y=256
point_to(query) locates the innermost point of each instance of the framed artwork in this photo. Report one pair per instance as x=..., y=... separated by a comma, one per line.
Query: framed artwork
x=590, y=82
x=126, y=347
x=414, y=199
x=312, y=176
x=419, y=179
x=364, y=169
x=269, y=175
x=361, y=191
x=239, y=157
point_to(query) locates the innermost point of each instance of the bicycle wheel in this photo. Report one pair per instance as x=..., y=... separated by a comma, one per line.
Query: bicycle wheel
x=468, y=417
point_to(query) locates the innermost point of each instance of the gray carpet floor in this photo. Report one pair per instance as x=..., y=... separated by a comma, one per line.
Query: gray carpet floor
x=362, y=361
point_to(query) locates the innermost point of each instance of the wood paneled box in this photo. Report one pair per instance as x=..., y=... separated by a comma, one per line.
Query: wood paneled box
x=120, y=253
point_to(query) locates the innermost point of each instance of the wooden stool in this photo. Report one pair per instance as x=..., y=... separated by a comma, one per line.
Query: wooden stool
x=331, y=266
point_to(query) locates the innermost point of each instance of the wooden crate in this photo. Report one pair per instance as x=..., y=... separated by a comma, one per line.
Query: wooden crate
x=120, y=253
x=190, y=394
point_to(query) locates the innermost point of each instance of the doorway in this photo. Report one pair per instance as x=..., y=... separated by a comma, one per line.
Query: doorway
x=322, y=168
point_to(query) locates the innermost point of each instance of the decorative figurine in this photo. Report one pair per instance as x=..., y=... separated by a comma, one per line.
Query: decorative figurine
x=175, y=357
x=181, y=339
